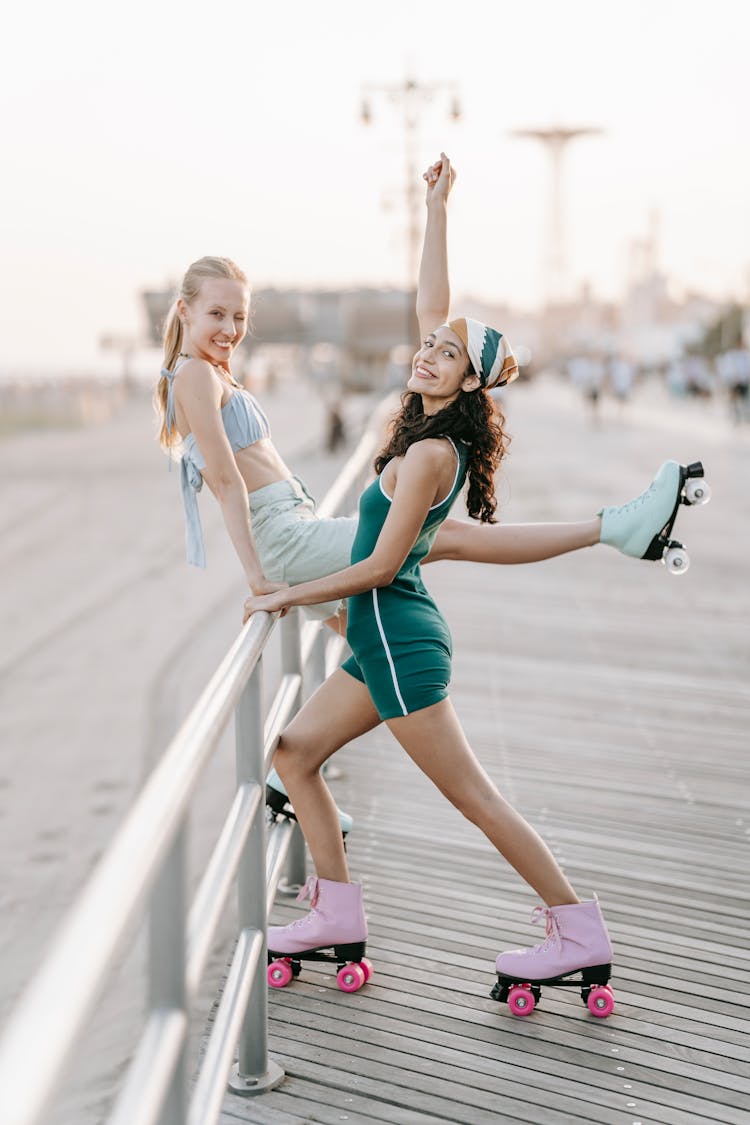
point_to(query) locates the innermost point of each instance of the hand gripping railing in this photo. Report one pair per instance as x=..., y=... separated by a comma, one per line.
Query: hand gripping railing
x=145, y=868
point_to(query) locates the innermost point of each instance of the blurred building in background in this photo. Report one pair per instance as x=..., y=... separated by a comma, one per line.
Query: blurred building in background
x=356, y=337
x=360, y=338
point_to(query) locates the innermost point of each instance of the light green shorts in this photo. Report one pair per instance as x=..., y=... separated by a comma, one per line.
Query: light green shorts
x=293, y=544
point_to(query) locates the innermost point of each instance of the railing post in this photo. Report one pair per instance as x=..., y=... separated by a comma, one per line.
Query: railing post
x=291, y=662
x=167, y=982
x=254, y=1072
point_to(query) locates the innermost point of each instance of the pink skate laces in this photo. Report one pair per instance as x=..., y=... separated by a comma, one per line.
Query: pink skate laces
x=553, y=938
x=309, y=890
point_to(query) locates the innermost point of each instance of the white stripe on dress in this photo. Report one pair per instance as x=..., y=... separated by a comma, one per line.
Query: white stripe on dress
x=388, y=652
x=455, y=478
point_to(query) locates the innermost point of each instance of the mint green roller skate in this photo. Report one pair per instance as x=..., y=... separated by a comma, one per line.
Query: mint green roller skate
x=277, y=801
x=642, y=528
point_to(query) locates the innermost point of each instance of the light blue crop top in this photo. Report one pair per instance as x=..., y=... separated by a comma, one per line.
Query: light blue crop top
x=244, y=422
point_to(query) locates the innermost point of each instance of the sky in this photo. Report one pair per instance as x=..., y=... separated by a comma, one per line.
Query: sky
x=136, y=137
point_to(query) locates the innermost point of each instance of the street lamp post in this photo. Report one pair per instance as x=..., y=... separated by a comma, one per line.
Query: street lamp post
x=410, y=95
x=556, y=140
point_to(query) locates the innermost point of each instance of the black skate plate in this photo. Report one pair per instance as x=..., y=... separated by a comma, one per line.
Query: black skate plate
x=661, y=541
x=280, y=805
x=339, y=955
x=589, y=977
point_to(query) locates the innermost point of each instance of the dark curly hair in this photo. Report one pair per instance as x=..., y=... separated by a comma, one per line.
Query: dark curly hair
x=470, y=418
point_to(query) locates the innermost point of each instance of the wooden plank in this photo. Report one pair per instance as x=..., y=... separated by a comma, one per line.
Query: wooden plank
x=577, y=1056
x=480, y=1097
x=315, y=1100
x=263, y=1110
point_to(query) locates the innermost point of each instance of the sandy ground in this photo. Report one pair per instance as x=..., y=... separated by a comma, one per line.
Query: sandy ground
x=107, y=635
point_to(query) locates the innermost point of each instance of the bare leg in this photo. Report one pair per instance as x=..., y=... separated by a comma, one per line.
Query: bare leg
x=434, y=740
x=513, y=542
x=338, y=621
x=340, y=710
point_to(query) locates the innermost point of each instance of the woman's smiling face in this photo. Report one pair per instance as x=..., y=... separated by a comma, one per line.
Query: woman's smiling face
x=215, y=321
x=438, y=370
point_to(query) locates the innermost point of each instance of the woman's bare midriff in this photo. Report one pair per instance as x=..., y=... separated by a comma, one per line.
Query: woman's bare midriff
x=260, y=464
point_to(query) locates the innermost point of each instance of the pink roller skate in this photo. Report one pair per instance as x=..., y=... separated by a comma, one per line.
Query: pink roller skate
x=334, y=931
x=577, y=942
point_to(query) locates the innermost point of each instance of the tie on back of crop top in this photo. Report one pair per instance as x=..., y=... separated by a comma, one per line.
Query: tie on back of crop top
x=244, y=422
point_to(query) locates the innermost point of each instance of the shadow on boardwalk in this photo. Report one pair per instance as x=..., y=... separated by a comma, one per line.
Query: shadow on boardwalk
x=609, y=702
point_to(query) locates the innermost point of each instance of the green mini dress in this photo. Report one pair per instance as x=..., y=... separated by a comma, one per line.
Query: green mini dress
x=400, y=641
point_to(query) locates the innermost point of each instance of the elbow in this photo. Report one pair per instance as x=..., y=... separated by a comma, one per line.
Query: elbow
x=430, y=317
x=438, y=313
x=225, y=485
x=384, y=574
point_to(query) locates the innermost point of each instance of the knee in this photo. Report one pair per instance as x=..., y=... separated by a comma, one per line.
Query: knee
x=462, y=799
x=470, y=808
x=480, y=806
x=290, y=758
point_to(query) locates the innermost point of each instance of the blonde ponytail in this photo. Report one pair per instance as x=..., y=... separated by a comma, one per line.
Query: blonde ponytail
x=172, y=338
x=172, y=335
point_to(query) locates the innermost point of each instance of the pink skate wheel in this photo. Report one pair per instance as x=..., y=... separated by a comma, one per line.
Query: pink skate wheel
x=351, y=978
x=279, y=974
x=521, y=1000
x=366, y=966
x=601, y=1001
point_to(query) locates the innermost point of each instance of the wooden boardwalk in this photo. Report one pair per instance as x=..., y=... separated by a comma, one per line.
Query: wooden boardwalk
x=610, y=703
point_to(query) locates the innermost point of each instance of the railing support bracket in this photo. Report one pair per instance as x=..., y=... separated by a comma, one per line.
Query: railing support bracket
x=248, y=1087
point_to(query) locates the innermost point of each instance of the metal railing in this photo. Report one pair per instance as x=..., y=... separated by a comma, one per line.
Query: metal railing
x=144, y=871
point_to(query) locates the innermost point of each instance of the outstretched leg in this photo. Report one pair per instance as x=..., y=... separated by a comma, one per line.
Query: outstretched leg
x=434, y=740
x=513, y=542
x=640, y=528
x=577, y=937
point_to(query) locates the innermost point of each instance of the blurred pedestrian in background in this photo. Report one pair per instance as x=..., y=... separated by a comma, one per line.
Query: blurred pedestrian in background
x=733, y=370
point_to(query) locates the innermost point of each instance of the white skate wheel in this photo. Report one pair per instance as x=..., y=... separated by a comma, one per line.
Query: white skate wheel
x=697, y=491
x=676, y=560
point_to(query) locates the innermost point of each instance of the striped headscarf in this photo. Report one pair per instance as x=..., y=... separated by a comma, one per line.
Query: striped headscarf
x=489, y=351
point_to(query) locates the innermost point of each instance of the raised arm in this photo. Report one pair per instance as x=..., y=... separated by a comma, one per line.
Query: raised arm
x=421, y=476
x=200, y=393
x=433, y=290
